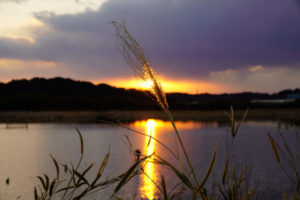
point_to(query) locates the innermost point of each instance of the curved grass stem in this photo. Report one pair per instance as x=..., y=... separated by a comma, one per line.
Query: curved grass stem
x=183, y=148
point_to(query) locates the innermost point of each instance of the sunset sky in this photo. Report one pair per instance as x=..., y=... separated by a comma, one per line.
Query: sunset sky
x=196, y=46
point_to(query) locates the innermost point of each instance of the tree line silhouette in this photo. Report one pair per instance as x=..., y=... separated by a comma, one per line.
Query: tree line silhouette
x=67, y=94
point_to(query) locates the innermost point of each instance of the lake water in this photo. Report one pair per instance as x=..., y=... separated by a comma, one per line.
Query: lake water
x=24, y=153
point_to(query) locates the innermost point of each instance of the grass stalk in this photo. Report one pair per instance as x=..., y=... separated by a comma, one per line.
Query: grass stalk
x=183, y=148
x=136, y=59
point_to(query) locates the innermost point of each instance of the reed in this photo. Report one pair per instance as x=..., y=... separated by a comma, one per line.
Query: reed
x=135, y=57
x=233, y=184
x=289, y=162
x=73, y=184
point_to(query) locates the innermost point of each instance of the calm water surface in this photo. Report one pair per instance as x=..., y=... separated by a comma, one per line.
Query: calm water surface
x=24, y=153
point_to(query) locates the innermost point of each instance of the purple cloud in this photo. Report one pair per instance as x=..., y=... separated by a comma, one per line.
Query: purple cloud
x=182, y=38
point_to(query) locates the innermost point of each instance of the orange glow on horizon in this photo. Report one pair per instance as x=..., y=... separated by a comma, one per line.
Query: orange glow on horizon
x=169, y=85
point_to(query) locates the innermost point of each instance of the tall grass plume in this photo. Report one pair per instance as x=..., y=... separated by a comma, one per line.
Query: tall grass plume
x=135, y=57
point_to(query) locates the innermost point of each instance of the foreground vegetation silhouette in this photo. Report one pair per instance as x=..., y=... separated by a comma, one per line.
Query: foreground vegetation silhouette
x=234, y=183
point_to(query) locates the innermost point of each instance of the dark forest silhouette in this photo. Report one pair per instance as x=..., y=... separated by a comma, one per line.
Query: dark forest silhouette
x=66, y=94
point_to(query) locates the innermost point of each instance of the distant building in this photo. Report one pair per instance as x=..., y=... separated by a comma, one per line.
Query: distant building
x=293, y=96
x=289, y=98
x=272, y=100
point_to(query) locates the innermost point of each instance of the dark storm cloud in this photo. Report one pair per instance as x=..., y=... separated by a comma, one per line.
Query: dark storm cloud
x=181, y=37
x=15, y=48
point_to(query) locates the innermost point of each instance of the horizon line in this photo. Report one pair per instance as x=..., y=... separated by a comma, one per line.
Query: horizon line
x=138, y=89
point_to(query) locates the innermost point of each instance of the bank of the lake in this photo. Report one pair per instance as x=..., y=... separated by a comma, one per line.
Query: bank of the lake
x=279, y=115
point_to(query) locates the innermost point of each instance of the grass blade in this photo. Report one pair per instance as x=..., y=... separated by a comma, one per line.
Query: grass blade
x=222, y=192
x=47, y=181
x=211, y=166
x=130, y=146
x=164, y=188
x=150, y=134
x=52, y=187
x=56, y=165
x=81, y=177
x=35, y=194
x=126, y=176
x=232, y=122
x=242, y=120
x=81, y=141
x=101, y=168
x=87, y=169
x=225, y=171
x=43, y=182
x=274, y=147
x=104, y=162
x=179, y=174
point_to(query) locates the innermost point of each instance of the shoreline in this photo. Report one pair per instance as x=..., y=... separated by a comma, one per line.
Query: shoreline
x=284, y=115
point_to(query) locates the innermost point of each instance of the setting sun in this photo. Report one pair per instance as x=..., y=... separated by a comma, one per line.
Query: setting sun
x=169, y=85
x=146, y=85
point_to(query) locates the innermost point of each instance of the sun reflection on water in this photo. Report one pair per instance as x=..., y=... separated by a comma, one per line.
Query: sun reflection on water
x=148, y=188
x=155, y=128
